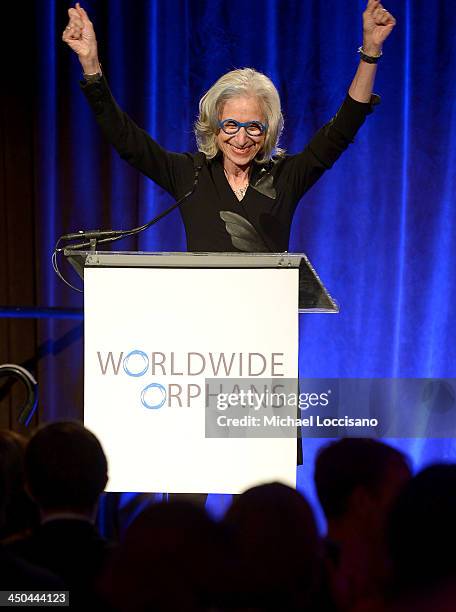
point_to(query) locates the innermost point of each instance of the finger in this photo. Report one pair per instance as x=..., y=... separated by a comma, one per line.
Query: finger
x=372, y=5
x=379, y=17
x=83, y=15
x=67, y=31
x=389, y=26
x=388, y=19
x=73, y=30
x=75, y=19
x=385, y=18
x=378, y=13
x=75, y=24
x=70, y=35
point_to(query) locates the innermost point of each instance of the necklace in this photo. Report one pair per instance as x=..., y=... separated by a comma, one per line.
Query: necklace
x=240, y=191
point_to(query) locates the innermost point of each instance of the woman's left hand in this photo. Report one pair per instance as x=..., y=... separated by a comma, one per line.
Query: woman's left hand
x=377, y=26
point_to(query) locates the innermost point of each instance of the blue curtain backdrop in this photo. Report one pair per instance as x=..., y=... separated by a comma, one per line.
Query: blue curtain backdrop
x=379, y=227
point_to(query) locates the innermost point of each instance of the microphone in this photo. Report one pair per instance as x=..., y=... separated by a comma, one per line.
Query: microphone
x=113, y=235
x=92, y=234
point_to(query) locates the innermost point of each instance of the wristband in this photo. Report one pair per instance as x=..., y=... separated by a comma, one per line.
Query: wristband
x=95, y=76
x=369, y=59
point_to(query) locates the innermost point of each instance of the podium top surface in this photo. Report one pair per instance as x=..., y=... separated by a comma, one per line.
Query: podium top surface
x=313, y=296
x=184, y=259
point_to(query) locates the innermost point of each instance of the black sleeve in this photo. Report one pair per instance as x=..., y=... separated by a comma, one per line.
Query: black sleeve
x=301, y=171
x=171, y=171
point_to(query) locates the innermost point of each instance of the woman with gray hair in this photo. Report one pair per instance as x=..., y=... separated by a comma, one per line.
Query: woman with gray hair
x=240, y=191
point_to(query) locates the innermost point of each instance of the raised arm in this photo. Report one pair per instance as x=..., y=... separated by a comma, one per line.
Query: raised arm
x=79, y=35
x=172, y=171
x=377, y=26
x=328, y=144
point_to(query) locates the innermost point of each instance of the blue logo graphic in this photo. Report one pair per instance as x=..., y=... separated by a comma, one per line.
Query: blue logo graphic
x=139, y=363
x=153, y=396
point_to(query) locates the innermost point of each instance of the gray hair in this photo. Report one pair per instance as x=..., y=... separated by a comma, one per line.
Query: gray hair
x=242, y=82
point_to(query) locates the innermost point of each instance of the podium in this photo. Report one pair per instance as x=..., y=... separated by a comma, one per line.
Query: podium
x=158, y=327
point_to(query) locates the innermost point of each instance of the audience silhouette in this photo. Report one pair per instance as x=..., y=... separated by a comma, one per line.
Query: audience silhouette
x=390, y=542
x=19, y=513
x=15, y=573
x=422, y=542
x=357, y=481
x=173, y=557
x=66, y=471
x=278, y=550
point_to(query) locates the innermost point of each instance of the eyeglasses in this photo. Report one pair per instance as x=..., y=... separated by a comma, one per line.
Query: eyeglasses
x=253, y=128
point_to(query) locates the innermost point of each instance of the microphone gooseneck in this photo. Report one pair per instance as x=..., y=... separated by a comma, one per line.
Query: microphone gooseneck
x=91, y=238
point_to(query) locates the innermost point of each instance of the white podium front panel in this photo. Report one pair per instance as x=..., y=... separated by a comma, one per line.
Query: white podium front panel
x=152, y=337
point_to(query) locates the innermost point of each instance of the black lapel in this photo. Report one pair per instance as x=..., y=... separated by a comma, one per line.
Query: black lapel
x=262, y=180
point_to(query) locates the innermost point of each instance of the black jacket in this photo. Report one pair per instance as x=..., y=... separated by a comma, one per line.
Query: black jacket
x=274, y=191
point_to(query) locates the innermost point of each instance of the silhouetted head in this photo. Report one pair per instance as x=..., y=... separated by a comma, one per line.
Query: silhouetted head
x=422, y=530
x=172, y=558
x=359, y=479
x=17, y=511
x=278, y=546
x=66, y=468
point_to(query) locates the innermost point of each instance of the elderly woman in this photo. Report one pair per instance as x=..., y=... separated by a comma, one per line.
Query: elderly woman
x=240, y=190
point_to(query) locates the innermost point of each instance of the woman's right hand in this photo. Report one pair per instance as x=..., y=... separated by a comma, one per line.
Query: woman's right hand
x=79, y=35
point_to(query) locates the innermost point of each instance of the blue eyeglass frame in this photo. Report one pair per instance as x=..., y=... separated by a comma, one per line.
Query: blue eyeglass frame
x=245, y=125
